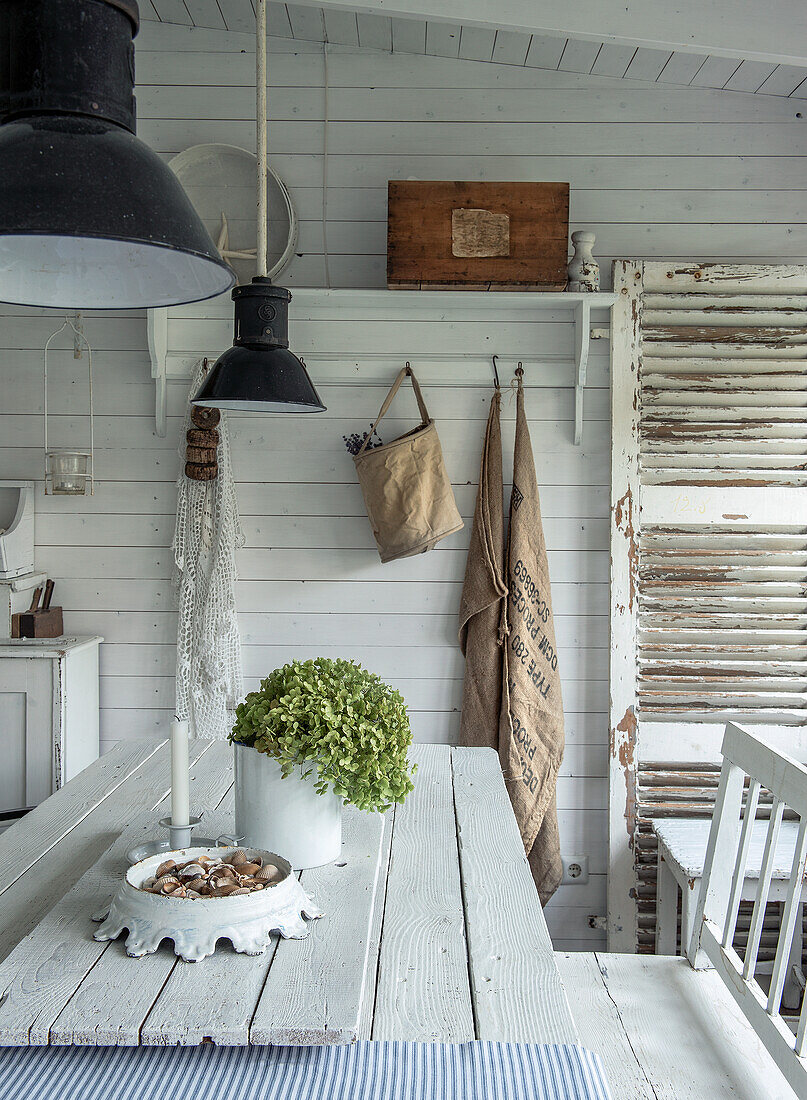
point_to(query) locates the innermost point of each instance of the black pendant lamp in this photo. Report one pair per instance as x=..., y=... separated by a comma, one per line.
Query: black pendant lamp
x=90, y=217
x=259, y=373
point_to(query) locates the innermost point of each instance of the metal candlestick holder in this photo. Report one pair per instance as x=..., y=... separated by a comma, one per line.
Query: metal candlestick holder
x=179, y=836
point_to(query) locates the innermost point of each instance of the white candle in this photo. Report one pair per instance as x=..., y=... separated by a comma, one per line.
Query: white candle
x=180, y=778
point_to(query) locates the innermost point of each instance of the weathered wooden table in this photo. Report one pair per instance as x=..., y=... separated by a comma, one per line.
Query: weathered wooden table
x=433, y=930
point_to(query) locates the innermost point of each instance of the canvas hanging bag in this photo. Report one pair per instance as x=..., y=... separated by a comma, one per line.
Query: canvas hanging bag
x=407, y=492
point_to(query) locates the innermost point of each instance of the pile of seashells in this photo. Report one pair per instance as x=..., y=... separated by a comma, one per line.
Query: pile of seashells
x=213, y=877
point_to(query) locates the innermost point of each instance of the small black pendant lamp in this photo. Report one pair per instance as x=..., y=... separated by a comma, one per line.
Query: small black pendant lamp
x=259, y=373
x=90, y=217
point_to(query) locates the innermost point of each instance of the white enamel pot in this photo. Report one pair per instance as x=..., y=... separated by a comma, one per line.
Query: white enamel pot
x=285, y=815
x=197, y=925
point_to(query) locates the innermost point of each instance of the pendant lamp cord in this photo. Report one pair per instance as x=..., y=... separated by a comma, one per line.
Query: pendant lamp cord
x=326, y=119
x=261, y=142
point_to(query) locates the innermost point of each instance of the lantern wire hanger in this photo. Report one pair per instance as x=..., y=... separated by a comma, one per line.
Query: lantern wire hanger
x=90, y=216
x=259, y=373
x=68, y=472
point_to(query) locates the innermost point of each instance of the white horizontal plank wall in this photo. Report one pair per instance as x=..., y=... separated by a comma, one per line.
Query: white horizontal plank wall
x=657, y=171
x=654, y=171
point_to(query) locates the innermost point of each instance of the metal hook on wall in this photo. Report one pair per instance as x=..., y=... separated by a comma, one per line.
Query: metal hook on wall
x=517, y=381
x=495, y=371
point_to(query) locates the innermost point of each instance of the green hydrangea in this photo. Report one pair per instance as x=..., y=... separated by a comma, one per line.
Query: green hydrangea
x=340, y=722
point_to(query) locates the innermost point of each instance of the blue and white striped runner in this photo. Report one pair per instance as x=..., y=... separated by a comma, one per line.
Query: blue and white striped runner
x=363, y=1071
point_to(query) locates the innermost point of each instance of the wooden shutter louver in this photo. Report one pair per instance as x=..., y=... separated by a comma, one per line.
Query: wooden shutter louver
x=709, y=541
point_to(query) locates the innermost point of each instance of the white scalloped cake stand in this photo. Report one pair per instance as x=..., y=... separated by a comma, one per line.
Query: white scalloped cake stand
x=195, y=926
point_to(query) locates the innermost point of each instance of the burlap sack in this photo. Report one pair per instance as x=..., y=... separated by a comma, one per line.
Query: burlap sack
x=407, y=491
x=531, y=736
x=511, y=698
x=482, y=605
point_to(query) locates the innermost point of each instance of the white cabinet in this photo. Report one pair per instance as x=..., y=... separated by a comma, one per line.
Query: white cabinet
x=48, y=715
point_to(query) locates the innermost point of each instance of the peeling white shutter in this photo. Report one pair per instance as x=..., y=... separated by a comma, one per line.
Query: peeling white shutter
x=709, y=543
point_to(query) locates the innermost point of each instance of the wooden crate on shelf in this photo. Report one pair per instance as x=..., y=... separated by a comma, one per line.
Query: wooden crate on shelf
x=480, y=236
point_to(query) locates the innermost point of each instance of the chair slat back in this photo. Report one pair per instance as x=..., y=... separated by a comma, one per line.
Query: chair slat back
x=792, y=912
x=763, y=889
x=721, y=888
x=738, y=877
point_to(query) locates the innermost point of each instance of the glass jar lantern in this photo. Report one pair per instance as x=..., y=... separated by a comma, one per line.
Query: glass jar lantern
x=69, y=472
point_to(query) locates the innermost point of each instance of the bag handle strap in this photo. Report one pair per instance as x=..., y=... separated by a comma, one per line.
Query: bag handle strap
x=404, y=372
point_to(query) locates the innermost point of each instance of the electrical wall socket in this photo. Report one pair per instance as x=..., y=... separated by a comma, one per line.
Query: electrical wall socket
x=575, y=870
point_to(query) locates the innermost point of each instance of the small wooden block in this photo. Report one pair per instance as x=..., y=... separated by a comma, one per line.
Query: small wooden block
x=44, y=623
x=199, y=472
x=202, y=437
x=201, y=456
x=205, y=418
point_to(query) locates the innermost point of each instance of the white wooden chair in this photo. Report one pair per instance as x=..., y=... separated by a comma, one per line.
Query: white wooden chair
x=682, y=844
x=724, y=870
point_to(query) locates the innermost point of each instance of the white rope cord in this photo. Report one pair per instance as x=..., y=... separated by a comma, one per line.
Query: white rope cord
x=208, y=532
x=326, y=118
x=262, y=136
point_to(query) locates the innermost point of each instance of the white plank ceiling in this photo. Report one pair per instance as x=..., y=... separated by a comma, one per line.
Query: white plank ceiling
x=505, y=47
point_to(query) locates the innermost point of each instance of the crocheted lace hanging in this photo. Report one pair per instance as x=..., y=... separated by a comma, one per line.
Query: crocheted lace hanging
x=209, y=680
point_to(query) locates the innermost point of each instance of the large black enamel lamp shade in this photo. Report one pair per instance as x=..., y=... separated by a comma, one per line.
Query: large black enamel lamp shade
x=259, y=373
x=90, y=217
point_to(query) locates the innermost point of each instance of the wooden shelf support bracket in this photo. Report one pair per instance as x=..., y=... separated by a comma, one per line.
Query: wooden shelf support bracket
x=158, y=349
x=582, y=336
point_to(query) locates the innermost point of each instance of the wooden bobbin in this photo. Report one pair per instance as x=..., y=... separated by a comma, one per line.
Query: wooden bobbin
x=201, y=472
x=201, y=445
x=205, y=418
x=202, y=437
x=201, y=456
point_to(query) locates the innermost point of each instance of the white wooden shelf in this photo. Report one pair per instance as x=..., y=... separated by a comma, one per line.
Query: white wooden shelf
x=332, y=327
x=48, y=648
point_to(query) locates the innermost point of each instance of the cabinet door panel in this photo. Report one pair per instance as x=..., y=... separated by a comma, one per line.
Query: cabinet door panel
x=26, y=729
x=12, y=725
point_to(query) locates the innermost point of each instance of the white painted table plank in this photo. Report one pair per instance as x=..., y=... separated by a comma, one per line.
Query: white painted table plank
x=43, y=972
x=35, y=892
x=374, y=954
x=113, y=1000
x=209, y=1001
x=423, y=991
x=517, y=991
x=316, y=987
x=185, y=1012
x=49, y=822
